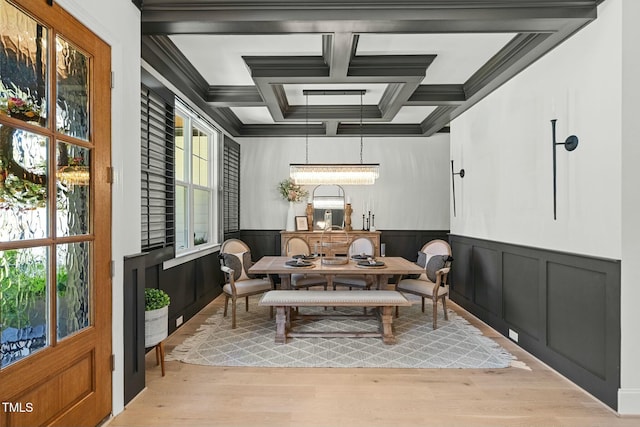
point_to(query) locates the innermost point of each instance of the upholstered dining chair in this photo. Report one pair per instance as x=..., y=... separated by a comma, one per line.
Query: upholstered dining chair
x=235, y=260
x=359, y=246
x=435, y=257
x=297, y=246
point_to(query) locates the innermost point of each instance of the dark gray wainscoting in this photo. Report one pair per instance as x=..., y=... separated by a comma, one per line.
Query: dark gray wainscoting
x=261, y=242
x=191, y=286
x=407, y=243
x=564, y=307
x=133, y=331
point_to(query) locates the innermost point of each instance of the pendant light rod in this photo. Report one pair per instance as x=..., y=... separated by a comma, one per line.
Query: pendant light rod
x=361, y=143
x=306, y=120
x=334, y=173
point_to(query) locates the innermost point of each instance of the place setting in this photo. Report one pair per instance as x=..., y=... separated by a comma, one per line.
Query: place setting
x=301, y=261
x=368, y=262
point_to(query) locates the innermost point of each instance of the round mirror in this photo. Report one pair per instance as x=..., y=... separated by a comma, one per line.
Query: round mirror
x=328, y=207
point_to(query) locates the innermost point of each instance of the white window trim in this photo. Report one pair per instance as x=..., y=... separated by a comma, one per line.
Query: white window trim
x=215, y=164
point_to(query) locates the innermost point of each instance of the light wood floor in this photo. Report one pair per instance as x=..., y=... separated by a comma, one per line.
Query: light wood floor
x=191, y=395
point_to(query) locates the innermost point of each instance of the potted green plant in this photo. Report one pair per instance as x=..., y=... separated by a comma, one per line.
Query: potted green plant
x=156, y=316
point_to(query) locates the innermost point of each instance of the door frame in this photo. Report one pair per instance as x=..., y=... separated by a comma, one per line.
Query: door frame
x=43, y=374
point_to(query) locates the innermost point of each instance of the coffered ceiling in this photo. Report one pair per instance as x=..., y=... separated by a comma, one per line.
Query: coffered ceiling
x=420, y=64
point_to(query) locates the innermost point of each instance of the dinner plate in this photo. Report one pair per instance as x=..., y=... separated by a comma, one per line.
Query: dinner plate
x=304, y=257
x=361, y=256
x=299, y=263
x=367, y=264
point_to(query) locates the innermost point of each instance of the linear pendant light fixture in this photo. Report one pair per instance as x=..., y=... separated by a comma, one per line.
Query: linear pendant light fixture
x=333, y=173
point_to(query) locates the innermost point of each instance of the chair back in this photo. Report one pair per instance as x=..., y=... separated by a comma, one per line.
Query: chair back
x=437, y=247
x=233, y=246
x=297, y=246
x=361, y=245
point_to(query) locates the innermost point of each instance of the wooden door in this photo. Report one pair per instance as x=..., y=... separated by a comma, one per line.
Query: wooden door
x=55, y=218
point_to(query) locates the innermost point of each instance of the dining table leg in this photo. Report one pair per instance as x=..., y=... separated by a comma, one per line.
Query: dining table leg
x=285, y=281
x=382, y=281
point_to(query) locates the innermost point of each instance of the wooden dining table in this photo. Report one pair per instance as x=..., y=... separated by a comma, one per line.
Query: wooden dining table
x=392, y=266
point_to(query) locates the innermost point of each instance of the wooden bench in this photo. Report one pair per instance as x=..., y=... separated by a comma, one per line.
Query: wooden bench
x=284, y=300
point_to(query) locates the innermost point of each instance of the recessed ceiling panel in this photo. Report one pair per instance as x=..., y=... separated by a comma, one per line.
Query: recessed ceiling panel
x=411, y=114
x=372, y=95
x=218, y=58
x=458, y=55
x=253, y=115
x=257, y=116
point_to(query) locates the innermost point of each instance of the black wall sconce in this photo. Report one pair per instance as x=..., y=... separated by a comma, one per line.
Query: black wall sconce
x=570, y=144
x=453, y=185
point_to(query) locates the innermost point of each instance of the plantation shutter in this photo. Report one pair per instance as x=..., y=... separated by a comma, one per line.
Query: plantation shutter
x=231, y=186
x=157, y=171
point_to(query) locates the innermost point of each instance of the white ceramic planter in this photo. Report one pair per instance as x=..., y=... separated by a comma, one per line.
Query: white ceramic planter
x=156, y=326
x=291, y=218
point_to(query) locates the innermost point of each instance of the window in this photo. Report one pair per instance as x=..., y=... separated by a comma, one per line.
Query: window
x=196, y=175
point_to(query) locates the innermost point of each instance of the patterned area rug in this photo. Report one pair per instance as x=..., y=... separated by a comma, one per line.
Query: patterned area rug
x=454, y=344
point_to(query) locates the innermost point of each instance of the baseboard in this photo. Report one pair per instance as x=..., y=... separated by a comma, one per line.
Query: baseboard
x=629, y=401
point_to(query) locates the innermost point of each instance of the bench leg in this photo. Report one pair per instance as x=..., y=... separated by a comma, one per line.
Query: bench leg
x=281, y=325
x=386, y=324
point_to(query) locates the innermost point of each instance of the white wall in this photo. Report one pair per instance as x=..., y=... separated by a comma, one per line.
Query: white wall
x=590, y=85
x=412, y=192
x=504, y=144
x=629, y=395
x=117, y=22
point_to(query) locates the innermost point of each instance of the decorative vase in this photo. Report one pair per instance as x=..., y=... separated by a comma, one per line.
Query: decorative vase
x=156, y=326
x=291, y=218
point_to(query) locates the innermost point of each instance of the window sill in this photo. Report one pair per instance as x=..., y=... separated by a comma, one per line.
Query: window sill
x=190, y=256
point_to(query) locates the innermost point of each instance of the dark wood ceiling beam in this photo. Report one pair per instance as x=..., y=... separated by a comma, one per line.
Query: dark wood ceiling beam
x=348, y=129
x=390, y=65
x=343, y=47
x=234, y=96
x=161, y=54
x=283, y=67
x=285, y=16
x=163, y=47
x=331, y=128
x=437, y=120
x=283, y=130
x=502, y=61
x=332, y=112
x=229, y=117
x=434, y=95
x=275, y=98
x=317, y=130
x=323, y=27
x=396, y=96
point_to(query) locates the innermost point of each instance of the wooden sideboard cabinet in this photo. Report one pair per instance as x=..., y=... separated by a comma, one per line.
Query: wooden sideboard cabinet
x=313, y=239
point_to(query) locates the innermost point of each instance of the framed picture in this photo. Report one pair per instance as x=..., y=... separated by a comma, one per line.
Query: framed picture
x=301, y=223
